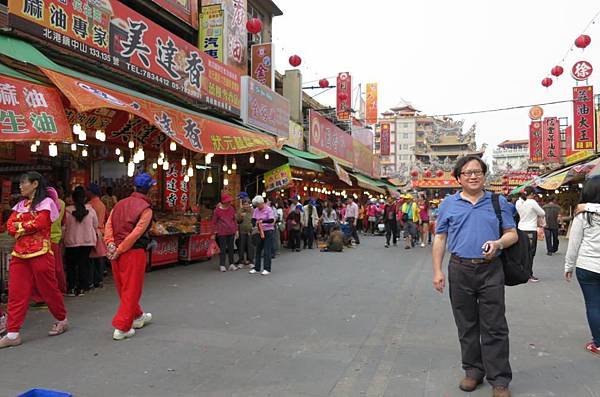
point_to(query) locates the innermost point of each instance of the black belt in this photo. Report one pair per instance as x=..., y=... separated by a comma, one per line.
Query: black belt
x=471, y=261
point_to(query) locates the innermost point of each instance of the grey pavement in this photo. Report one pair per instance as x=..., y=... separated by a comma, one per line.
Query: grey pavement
x=365, y=322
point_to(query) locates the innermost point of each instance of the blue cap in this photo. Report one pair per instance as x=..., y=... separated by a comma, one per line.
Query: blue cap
x=312, y=201
x=243, y=196
x=95, y=189
x=144, y=181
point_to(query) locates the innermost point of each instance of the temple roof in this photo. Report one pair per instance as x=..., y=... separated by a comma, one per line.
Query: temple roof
x=508, y=142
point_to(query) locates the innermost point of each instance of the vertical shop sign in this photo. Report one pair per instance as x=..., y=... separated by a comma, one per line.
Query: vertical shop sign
x=583, y=118
x=344, y=96
x=261, y=64
x=176, y=188
x=212, y=24
x=551, y=140
x=385, y=139
x=535, y=142
x=296, y=138
x=371, y=103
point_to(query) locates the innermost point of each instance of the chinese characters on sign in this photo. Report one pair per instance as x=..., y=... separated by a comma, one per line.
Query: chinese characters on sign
x=264, y=108
x=121, y=38
x=535, y=142
x=385, y=139
x=371, y=116
x=326, y=138
x=30, y=112
x=176, y=188
x=344, y=96
x=581, y=70
x=583, y=118
x=278, y=178
x=551, y=140
x=211, y=31
x=261, y=61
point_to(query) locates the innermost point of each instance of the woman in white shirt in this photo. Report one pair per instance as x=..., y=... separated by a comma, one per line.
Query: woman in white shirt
x=583, y=257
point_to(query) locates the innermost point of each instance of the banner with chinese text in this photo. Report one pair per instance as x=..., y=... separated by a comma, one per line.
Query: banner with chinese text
x=264, y=108
x=371, y=105
x=176, y=188
x=325, y=138
x=278, y=178
x=344, y=96
x=261, y=64
x=191, y=130
x=551, y=140
x=583, y=118
x=296, y=138
x=119, y=37
x=535, y=142
x=31, y=112
x=362, y=141
x=212, y=24
x=385, y=139
x=342, y=174
x=186, y=10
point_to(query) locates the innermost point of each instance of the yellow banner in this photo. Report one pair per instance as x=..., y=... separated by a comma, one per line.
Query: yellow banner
x=578, y=156
x=212, y=22
x=371, y=110
x=278, y=178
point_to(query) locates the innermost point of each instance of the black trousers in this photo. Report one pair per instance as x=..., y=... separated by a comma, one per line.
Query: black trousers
x=532, y=247
x=351, y=222
x=246, y=249
x=226, y=247
x=79, y=268
x=98, y=265
x=294, y=239
x=391, y=228
x=309, y=236
x=477, y=298
x=551, y=236
x=264, y=247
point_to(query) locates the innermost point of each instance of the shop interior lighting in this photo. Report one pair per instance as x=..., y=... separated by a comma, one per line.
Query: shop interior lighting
x=161, y=154
x=252, y=159
x=225, y=182
x=173, y=146
x=207, y=159
x=190, y=171
x=234, y=165
x=33, y=148
x=141, y=154
x=77, y=129
x=82, y=136
x=53, y=150
x=84, y=152
x=100, y=135
x=264, y=194
x=186, y=178
x=266, y=156
x=202, y=167
x=229, y=171
x=154, y=166
x=74, y=147
x=166, y=165
x=209, y=179
x=160, y=161
x=118, y=151
x=580, y=185
x=131, y=144
x=121, y=159
x=225, y=166
x=183, y=161
x=38, y=143
x=136, y=158
x=305, y=188
x=130, y=168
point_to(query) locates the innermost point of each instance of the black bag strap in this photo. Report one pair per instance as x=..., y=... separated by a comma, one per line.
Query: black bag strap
x=498, y=211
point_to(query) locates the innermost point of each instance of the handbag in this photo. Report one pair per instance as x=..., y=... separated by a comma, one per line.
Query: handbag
x=213, y=248
x=100, y=250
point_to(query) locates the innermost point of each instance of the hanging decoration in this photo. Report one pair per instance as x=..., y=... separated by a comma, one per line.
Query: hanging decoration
x=557, y=71
x=583, y=41
x=323, y=83
x=295, y=61
x=254, y=26
x=428, y=174
x=439, y=173
x=414, y=173
x=547, y=82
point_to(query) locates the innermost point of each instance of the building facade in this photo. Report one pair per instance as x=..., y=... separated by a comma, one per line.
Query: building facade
x=511, y=155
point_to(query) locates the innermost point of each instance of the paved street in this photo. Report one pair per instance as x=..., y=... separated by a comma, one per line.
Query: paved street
x=362, y=323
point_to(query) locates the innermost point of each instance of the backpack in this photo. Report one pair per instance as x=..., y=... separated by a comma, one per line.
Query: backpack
x=515, y=259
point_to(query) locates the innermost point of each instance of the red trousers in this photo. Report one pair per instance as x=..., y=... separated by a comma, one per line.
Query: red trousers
x=128, y=272
x=23, y=275
x=60, y=273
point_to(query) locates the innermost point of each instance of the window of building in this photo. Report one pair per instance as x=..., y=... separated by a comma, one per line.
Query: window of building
x=405, y=125
x=405, y=135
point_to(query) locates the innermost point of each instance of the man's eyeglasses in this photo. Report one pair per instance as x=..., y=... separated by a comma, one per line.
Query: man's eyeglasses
x=477, y=173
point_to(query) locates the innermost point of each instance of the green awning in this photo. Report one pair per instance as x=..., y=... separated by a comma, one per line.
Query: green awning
x=303, y=154
x=7, y=71
x=368, y=183
x=299, y=162
x=518, y=189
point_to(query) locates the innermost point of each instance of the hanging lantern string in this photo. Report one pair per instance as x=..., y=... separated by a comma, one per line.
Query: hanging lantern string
x=501, y=109
x=590, y=23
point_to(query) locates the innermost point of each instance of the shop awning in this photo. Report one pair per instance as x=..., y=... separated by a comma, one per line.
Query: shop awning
x=368, y=183
x=303, y=154
x=518, y=189
x=554, y=181
x=193, y=130
x=298, y=162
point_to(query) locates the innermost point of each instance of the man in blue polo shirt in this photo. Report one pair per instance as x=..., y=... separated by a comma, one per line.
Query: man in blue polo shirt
x=468, y=224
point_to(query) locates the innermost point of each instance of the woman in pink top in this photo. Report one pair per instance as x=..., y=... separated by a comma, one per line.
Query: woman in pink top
x=226, y=227
x=424, y=217
x=79, y=237
x=263, y=218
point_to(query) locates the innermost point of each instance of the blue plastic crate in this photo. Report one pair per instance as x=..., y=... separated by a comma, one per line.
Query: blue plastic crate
x=45, y=393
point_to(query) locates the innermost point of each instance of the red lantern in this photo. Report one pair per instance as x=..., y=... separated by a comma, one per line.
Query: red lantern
x=439, y=173
x=557, y=71
x=414, y=173
x=295, y=61
x=583, y=41
x=323, y=83
x=254, y=25
x=342, y=96
x=427, y=174
x=547, y=82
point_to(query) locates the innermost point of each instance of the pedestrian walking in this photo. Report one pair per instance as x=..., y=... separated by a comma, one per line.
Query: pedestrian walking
x=424, y=220
x=98, y=254
x=529, y=213
x=351, y=217
x=294, y=226
x=263, y=220
x=582, y=258
x=80, y=236
x=310, y=219
x=32, y=260
x=127, y=240
x=467, y=223
x=552, y=211
x=410, y=217
x=391, y=222
x=372, y=214
x=224, y=219
x=244, y=220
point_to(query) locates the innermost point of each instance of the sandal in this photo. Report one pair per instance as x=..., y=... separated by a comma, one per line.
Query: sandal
x=59, y=327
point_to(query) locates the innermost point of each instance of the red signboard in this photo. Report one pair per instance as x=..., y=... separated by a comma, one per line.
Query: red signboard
x=535, y=142
x=583, y=118
x=344, y=96
x=195, y=247
x=261, y=62
x=186, y=10
x=551, y=140
x=264, y=108
x=166, y=251
x=30, y=112
x=326, y=138
x=385, y=139
x=176, y=188
x=117, y=36
x=582, y=70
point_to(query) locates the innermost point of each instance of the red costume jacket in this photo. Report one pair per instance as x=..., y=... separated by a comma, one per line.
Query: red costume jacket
x=31, y=231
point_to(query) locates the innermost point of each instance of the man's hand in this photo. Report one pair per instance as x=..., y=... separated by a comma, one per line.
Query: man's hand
x=493, y=248
x=439, y=281
x=568, y=276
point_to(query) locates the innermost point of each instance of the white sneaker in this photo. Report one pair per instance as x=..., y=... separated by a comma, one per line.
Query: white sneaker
x=265, y=272
x=223, y=268
x=253, y=271
x=422, y=245
x=251, y=266
x=233, y=267
x=142, y=320
x=120, y=335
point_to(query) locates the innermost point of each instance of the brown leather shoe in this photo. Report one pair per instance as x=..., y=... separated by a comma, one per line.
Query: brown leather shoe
x=501, y=391
x=469, y=384
x=5, y=342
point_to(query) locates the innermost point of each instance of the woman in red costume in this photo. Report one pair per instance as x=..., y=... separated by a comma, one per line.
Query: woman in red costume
x=32, y=263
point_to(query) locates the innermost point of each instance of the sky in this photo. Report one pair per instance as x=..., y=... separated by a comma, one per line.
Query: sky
x=444, y=56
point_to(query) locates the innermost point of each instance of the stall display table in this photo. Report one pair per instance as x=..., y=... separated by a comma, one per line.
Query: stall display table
x=166, y=251
x=195, y=247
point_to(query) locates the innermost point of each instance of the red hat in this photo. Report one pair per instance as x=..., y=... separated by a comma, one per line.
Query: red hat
x=225, y=198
